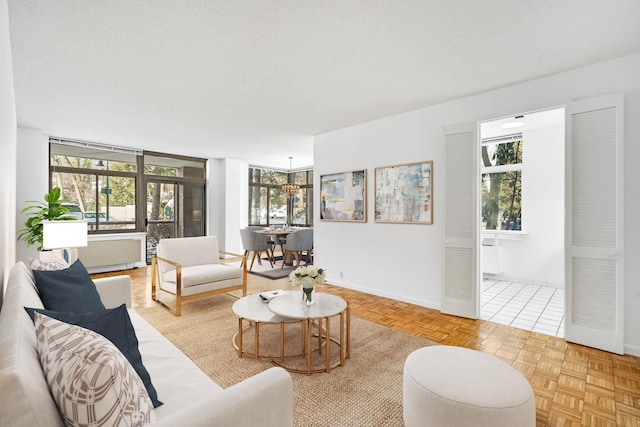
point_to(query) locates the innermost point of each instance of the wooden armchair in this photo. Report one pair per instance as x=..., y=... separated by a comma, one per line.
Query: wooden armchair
x=191, y=267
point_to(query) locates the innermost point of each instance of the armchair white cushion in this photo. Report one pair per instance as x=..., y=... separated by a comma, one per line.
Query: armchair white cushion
x=191, y=267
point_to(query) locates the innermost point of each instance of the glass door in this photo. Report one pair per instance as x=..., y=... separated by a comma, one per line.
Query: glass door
x=161, y=214
x=173, y=210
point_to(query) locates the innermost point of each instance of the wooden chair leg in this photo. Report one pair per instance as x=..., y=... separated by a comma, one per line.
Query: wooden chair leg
x=253, y=259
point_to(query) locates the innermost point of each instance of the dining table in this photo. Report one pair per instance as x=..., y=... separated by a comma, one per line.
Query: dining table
x=287, y=259
x=279, y=232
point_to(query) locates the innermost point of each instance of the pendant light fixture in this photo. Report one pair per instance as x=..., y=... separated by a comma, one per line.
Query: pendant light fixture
x=290, y=188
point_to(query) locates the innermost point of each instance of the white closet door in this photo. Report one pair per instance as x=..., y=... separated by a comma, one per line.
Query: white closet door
x=461, y=217
x=594, y=224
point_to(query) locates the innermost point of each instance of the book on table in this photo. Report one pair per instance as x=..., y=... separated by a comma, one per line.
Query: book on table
x=269, y=295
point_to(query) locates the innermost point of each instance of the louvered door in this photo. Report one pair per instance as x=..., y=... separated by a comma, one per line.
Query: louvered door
x=594, y=223
x=461, y=217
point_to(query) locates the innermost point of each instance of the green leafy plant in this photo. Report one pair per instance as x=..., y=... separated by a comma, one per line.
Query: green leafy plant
x=52, y=210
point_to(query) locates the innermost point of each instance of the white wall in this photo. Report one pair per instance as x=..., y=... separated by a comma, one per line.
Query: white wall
x=404, y=261
x=32, y=180
x=537, y=256
x=215, y=200
x=228, y=205
x=8, y=158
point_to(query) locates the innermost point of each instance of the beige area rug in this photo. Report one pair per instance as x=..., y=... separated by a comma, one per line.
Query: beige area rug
x=257, y=284
x=366, y=391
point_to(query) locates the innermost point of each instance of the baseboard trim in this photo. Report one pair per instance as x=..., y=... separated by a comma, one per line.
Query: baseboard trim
x=632, y=350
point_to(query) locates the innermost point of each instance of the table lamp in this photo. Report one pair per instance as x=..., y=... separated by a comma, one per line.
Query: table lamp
x=65, y=236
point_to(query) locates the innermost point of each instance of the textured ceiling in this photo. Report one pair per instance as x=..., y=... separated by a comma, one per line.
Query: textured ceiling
x=255, y=80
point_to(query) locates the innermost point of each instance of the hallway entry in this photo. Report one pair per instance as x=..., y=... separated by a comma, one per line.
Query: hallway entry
x=522, y=221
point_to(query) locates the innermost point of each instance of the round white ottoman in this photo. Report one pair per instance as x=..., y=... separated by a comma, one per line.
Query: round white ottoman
x=455, y=386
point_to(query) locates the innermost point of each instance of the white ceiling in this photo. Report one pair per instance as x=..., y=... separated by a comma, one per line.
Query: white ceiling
x=255, y=80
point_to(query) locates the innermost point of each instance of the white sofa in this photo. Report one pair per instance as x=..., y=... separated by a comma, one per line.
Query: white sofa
x=190, y=397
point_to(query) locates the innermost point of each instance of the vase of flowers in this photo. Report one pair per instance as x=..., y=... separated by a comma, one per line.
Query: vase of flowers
x=307, y=277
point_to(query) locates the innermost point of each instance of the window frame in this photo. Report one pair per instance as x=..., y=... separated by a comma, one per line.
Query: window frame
x=139, y=176
x=291, y=176
x=513, y=167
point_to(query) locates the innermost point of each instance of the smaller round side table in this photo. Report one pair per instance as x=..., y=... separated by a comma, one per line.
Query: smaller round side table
x=325, y=306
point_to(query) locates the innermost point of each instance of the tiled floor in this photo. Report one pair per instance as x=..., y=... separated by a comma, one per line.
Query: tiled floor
x=529, y=307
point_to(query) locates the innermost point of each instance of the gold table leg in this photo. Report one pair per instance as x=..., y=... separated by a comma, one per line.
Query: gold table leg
x=257, y=340
x=309, y=347
x=327, y=341
x=281, y=340
x=342, y=349
x=240, y=337
x=348, y=355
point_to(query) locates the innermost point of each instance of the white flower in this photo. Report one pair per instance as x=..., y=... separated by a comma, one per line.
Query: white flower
x=307, y=271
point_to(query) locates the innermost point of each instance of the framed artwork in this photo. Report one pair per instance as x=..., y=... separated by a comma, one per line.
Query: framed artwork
x=404, y=193
x=343, y=196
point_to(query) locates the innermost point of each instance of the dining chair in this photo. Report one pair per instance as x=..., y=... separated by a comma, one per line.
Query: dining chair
x=270, y=241
x=298, y=242
x=256, y=243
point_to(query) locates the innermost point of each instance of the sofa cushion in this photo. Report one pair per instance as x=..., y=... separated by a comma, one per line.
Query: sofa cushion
x=115, y=325
x=199, y=274
x=179, y=381
x=70, y=289
x=26, y=400
x=89, y=379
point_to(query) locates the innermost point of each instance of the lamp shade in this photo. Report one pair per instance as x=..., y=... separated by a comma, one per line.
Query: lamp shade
x=64, y=234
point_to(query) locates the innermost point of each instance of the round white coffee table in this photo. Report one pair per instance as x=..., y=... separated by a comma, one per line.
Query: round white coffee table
x=326, y=306
x=252, y=309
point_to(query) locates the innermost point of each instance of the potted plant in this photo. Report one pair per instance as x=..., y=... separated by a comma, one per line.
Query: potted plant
x=52, y=210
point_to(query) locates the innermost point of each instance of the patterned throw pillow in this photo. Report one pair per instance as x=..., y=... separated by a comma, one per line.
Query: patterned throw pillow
x=90, y=380
x=115, y=325
x=49, y=264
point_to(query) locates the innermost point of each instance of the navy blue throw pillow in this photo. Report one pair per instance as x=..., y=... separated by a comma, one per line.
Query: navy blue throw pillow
x=115, y=325
x=70, y=289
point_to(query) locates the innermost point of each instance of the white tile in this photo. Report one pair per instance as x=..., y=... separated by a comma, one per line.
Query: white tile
x=528, y=307
x=502, y=318
x=509, y=311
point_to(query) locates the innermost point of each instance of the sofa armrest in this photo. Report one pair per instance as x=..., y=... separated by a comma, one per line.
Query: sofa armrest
x=114, y=291
x=264, y=400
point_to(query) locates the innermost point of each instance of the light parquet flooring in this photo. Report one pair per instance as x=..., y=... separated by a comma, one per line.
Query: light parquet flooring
x=574, y=385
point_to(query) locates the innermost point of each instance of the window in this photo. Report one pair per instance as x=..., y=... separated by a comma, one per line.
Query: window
x=121, y=190
x=99, y=182
x=175, y=197
x=302, y=203
x=501, y=166
x=270, y=205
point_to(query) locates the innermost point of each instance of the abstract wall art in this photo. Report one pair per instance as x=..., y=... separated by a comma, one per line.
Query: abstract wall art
x=343, y=196
x=404, y=193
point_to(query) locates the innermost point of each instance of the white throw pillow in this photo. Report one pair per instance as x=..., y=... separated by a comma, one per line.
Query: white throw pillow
x=89, y=378
x=49, y=264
